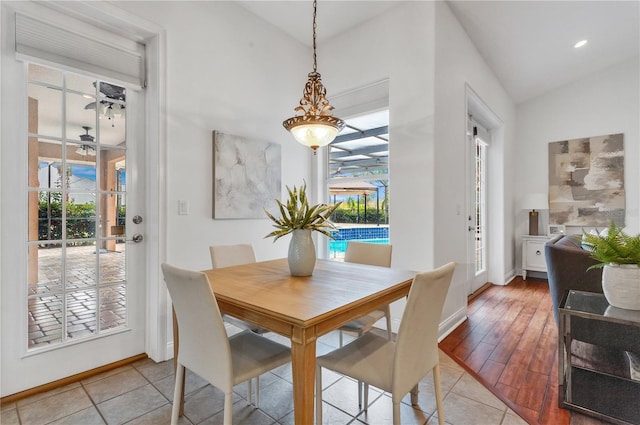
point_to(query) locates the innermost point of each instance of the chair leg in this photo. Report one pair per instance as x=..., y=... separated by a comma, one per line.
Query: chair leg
x=366, y=396
x=177, y=394
x=257, y=391
x=414, y=395
x=436, y=384
x=396, y=412
x=228, y=408
x=318, y=395
x=249, y=392
x=387, y=313
x=340, y=338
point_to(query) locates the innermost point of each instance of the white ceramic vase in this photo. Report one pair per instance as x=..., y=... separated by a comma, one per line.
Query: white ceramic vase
x=621, y=285
x=302, y=253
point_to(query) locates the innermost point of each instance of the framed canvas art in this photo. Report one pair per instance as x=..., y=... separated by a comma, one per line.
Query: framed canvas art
x=246, y=176
x=586, y=181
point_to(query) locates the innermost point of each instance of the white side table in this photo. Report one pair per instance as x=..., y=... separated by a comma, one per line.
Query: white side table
x=533, y=254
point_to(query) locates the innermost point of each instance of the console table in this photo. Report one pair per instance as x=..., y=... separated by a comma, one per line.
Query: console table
x=594, y=392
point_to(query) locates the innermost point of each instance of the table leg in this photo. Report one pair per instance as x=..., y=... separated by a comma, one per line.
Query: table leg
x=303, y=364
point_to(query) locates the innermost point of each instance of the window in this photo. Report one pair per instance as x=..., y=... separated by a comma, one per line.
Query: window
x=359, y=179
x=479, y=220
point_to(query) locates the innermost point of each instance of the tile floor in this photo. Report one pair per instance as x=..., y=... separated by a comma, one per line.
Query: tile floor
x=141, y=394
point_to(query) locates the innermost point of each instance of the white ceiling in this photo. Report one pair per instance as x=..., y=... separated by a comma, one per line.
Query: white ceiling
x=333, y=17
x=528, y=44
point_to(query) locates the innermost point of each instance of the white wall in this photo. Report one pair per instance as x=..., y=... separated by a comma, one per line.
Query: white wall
x=227, y=70
x=604, y=103
x=458, y=62
x=428, y=58
x=399, y=45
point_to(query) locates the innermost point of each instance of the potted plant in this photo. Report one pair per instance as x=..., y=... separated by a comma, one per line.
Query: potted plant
x=299, y=218
x=619, y=255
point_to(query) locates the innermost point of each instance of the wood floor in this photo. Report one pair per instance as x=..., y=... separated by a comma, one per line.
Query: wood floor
x=509, y=343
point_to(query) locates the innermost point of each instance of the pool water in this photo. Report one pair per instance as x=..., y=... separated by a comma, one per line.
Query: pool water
x=337, y=248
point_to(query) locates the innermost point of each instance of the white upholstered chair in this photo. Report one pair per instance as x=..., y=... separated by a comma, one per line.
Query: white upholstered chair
x=397, y=366
x=234, y=255
x=231, y=255
x=373, y=255
x=204, y=347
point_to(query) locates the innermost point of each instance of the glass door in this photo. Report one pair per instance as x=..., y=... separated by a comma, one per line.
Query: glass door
x=477, y=215
x=77, y=154
x=75, y=294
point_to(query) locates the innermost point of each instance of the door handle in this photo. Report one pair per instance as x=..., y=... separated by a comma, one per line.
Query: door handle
x=137, y=238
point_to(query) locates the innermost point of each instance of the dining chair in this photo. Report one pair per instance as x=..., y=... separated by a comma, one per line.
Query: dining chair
x=235, y=255
x=397, y=366
x=204, y=347
x=374, y=255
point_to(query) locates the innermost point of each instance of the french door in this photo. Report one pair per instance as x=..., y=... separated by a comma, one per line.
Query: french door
x=477, y=147
x=76, y=298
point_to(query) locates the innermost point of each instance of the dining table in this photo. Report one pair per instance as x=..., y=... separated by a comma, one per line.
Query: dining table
x=303, y=308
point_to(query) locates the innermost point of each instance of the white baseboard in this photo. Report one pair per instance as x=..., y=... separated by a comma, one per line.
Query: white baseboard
x=451, y=323
x=169, y=353
x=447, y=326
x=509, y=277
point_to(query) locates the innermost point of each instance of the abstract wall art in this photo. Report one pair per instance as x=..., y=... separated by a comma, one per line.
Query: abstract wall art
x=246, y=176
x=586, y=181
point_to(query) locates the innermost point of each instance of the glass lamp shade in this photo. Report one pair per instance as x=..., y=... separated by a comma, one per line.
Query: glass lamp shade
x=85, y=150
x=314, y=135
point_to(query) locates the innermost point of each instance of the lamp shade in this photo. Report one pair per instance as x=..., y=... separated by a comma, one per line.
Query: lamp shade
x=314, y=135
x=535, y=201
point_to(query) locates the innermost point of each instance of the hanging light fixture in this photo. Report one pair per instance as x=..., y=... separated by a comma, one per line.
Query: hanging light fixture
x=315, y=127
x=86, y=150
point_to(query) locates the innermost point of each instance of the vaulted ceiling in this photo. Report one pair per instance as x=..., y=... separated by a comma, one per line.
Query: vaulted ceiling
x=528, y=44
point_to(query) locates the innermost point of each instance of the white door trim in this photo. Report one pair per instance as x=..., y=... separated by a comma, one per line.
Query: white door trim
x=158, y=313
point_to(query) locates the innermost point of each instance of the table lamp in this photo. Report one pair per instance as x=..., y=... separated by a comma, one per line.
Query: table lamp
x=534, y=202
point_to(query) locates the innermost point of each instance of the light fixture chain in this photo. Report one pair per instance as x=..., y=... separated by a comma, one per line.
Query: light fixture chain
x=315, y=59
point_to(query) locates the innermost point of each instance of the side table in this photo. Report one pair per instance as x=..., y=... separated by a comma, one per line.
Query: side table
x=597, y=393
x=533, y=254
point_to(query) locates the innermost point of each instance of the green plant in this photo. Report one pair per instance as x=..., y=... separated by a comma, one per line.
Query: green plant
x=613, y=247
x=297, y=214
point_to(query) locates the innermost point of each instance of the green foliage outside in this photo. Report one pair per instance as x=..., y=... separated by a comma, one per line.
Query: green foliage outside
x=81, y=219
x=350, y=215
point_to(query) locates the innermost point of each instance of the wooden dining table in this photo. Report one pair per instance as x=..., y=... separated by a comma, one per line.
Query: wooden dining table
x=304, y=308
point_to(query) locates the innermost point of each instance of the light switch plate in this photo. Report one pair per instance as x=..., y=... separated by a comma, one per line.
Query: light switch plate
x=183, y=207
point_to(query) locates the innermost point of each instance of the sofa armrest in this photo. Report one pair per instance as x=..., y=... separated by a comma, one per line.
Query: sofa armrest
x=567, y=265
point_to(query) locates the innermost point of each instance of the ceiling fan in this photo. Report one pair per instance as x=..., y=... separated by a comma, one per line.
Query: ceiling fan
x=106, y=107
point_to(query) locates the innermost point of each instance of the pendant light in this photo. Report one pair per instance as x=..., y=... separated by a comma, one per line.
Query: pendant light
x=315, y=127
x=86, y=150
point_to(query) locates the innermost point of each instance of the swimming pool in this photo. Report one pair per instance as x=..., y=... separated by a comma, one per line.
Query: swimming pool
x=337, y=248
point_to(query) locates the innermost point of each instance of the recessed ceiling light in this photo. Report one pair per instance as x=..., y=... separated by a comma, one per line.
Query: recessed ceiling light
x=580, y=43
